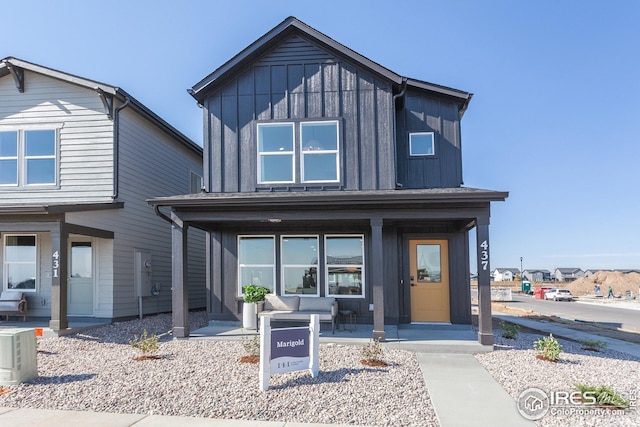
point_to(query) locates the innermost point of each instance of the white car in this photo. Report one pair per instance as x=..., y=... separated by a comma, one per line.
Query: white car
x=559, y=294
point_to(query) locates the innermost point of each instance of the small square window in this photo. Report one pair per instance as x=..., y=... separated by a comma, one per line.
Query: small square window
x=421, y=144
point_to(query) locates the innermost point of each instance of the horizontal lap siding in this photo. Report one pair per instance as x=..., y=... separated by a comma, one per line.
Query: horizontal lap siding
x=86, y=137
x=299, y=80
x=151, y=165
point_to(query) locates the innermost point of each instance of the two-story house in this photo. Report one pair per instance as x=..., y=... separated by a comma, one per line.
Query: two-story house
x=78, y=159
x=505, y=274
x=327, y=174
x=567, y=274
x=537, y=275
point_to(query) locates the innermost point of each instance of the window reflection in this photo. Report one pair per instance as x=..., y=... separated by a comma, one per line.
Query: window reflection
x=429, y=267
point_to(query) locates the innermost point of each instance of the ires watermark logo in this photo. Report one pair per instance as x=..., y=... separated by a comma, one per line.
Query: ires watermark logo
x=534, y=403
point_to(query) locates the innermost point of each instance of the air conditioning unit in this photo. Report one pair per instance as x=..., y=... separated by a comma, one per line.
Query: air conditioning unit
x=18, y=356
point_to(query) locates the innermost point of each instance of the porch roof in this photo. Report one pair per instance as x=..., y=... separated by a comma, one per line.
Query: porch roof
x=56, y=208
x=280, y=199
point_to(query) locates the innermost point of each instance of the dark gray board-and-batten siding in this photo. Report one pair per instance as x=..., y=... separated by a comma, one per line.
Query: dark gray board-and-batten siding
x=283, y=86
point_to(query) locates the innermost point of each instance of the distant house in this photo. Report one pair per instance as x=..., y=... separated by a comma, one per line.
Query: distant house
x=78, y=159
x=592, y=271
x=505, y=274
x=329, y=175
x=568, y=274
x=537, y=275
x=627, y=271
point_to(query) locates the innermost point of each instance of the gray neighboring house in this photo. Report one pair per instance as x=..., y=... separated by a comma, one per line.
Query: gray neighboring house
x=78, y=159
x=327, y=174
x=568, y=274
x=537, y=275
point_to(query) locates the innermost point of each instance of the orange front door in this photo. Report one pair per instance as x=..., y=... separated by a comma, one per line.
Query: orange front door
x=429, y=279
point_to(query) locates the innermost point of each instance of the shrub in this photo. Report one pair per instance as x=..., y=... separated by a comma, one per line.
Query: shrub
x=252, y=347
x=146, y=344
x=509, y=330
x=373, y=354
x=603, y=396
x=593, y=345
x=548, y=348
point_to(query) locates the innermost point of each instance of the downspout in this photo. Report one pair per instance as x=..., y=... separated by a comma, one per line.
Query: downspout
x=116, y=146
x=395, y=137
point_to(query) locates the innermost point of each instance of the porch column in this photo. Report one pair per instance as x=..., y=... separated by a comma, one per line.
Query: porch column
x=180, y=283
x=485, y=329
x=59, y=263
x=376, y=278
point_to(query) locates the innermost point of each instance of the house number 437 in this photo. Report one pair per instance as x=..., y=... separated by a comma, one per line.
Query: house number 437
x=484, y=255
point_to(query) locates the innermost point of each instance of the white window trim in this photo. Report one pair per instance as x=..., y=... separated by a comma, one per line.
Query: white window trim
x=433, y=144
x=21, y=159
x=274, y=266
x=362, y=266
x=291, y=153
x=312, y=152
x=283, y=265
x=5, y=275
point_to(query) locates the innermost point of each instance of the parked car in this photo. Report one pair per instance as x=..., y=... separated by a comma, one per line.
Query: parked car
x=558, y=294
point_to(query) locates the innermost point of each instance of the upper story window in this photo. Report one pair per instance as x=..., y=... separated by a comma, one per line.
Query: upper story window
x=28, y=157
x=298, y=152
x=422, y=144
x=195, y=183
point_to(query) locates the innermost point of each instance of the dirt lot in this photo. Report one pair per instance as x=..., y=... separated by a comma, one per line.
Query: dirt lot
x=591, y=328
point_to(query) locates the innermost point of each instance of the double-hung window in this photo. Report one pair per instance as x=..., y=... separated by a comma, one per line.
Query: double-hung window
x=28, y=157
x=256, y=262
x=20, y=262
x=298, y=152
x=300, y=265
x=344, y=257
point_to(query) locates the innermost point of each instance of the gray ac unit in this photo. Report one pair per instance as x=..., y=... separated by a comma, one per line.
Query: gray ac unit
x=18, y=356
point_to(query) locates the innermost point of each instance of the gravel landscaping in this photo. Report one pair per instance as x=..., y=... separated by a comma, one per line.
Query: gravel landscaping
x=96, y=371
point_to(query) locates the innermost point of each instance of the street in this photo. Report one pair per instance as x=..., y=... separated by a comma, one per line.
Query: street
x=624, y=318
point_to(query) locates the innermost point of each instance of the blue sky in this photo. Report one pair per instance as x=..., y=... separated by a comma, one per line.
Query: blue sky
x=554, y=120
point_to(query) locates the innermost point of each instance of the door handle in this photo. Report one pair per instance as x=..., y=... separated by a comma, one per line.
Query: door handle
x=413, y=284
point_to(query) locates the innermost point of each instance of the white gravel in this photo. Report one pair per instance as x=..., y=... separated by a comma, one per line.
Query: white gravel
x=95, y=371
x=515, y=367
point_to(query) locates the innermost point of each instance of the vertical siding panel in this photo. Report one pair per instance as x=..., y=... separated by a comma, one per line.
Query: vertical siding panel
x=295, y=89
x=263, y=93
x=313, y=80
x=449, y=145
x=351, y=149
x=247, y=149
x=215, y=166
x=331, y=76
x=230, y=143
x=279, y=92
x=386, y=155
x=368, y=142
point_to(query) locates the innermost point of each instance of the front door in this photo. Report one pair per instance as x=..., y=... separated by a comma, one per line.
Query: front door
x=429, y=279
x=80, y=284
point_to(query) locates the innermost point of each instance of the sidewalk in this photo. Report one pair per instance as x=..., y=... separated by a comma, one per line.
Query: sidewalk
x=463, y=393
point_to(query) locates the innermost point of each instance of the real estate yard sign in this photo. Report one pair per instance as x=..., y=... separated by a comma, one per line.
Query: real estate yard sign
x=288, y=349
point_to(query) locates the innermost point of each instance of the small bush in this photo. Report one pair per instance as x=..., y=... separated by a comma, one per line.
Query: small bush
x=252, y=347
x=593, y=345
x=548, y=348
x=146, y=344
x=373, y=354
x=603, y=396
x=509, y=330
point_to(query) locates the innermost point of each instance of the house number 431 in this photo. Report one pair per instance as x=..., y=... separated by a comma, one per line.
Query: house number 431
x=56, y=263
x=484, y=255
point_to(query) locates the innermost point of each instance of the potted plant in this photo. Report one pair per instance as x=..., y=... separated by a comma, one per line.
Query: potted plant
x=252, y=295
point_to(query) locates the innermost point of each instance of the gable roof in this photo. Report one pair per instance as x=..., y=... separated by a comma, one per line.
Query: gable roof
x=291, y=26
x=11, y=65
x=568, y=270
x=512, y=270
